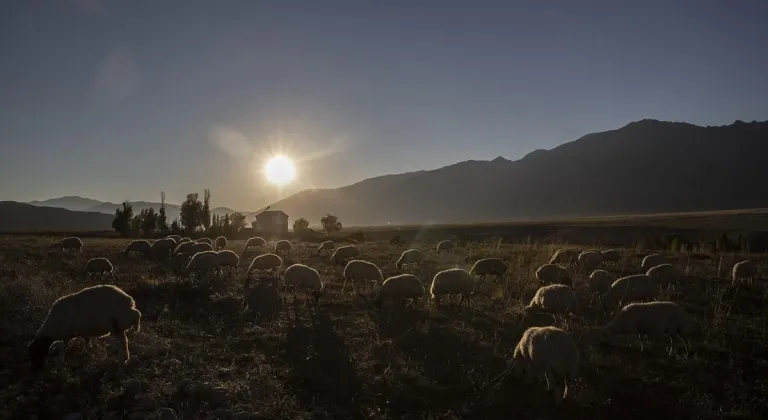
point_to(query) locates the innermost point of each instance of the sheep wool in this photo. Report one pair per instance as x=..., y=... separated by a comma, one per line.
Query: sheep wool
x=664, y=274
x=208, y=241
x=228, y=258
x=399, y=288
x=255, y=242
x=220, y=243
x=361, y=270
x=326, y=246
x=201, y=262
x=282, y=246
x=554, y=299
x=72, y=243
x=139, y=247
x=454, y=281
x=489, y=267
x=564, y=256
x=445, y=246
x=652, y=260
x=611, y=255
x=743, y=270
x=408, y=257
x=99, y=265
x=344, y=254
x=94, y=311
x=199, y=247
x=653, y=319
x=164, y=246
x=637, y=287
x=265, y=262
x=305, y=278
x=590, y=260
x=176, y=238
x=600, y=282
x=553, y=274
x=184, y=248
x=549, y=352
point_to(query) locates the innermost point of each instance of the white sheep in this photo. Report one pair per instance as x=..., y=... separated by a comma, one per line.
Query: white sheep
x=183, y=240
x=554, y=299
x=410, y=257
x=283, y=246
x=95, y=311
x=302, y=277
x=220, y=243
x=399, y=288
x=489, y=267
x=653, y=319
x=453, y=281
x=164, y=246
x=445, y=246
x=98, y=265
x=266, y=263
x=139, y=246
x=343, y=254
x=184, y=248
x=664, y=274
x=176, y=238
x=361, y=270
x=611, y=255
x=743, y=270
x=202, y=262
x=553, y=274
x=72, y=243
x=652, y=260
x=200, y=247
x=634, y=288
x=227, y=258
x=326, y=246
x=600, y=281
x=589, y=260
x=206, y=240
x=549, y=352
x=255, y=242
x=565, y=256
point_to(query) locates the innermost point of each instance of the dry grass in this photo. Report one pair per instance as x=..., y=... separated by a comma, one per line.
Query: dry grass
x=202, y=355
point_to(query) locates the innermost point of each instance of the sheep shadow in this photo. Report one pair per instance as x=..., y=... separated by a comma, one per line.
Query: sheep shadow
x=321, y=372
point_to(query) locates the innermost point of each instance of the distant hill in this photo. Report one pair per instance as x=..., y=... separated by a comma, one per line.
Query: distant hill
x=70, y=202
x=16, y=216
x=647, y=166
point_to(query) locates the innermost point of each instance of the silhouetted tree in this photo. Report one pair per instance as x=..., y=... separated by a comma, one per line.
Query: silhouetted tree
x=148, y=221
x=206, y=211
x=330, y=224
x=301, y=224
x=175, y=226
x=162, y=220
x=191, y=210
x=236, y=222
x=136, y=223
x=122, y=221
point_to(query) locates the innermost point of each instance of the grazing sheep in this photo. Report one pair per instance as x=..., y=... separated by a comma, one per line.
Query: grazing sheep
x=399, y=288
x=343, y=254
x=305, y=278
x=164, y=246
x=228, y=258
x=73, y=243
x=743, y=270
x=652, y=260
x=554, y=299
x=590, y=260
x=411, y=256
x=360, y=270
x=176, y=238
x=139, y=247
x=445, y=246
x=549, y=352
x=653, y=319
x=270, y=263
x=283, y=246
x=255, y=242
x=98, y=265
x=664, y=274
x=453, y=281
x=565, y=256
x=95, y=311
x=489, y=267
x=202, y=262
x=553, y=274
x=634, y=288
x=183, y=240
x=208, y=241
x=611, y=255
x=184, y=248
x=200, y=247
x=326, y=246
x=180, y=261
x=600, y=281
x=220, y=243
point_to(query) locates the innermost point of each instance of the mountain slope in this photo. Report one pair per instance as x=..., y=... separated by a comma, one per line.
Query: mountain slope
x=70, y=202
x=16, y=216
x=646, y=166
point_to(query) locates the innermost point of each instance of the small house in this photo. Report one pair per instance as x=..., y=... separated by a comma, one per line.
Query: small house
x=272, y=222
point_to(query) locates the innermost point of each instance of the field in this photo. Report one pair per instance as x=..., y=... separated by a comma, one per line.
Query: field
x=200, y=353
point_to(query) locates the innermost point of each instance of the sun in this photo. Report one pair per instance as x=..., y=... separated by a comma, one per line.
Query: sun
x=280, y=170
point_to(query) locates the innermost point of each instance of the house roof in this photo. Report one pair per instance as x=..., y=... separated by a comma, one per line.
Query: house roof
x=271, y=212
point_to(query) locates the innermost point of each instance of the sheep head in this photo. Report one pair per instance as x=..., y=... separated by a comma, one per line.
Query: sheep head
x=38, y=351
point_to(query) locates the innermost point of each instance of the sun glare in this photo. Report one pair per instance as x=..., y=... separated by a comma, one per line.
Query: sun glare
x=280, y=170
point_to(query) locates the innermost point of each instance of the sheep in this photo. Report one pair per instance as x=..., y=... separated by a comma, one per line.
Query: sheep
x=180, y=261
x=343, y=254
x=326, y=246
x=95, y=311
x=411, y=256
x=549, y=352
x=453, y=281
x=283, y=246
x=554, y=299
x=228, y=258
x=664, y=274
x=361, y=270
x=255, y=242
x=553, y=274
x=184, y=248
x=139, y=246
x=266, y=263
x=611, y=255
x=200, y=247
x=202, y=261
x=98, y=265
x=743, y=269
x=652, y=260
x=653, y=319
x=185, y=239
x=590, y=260
x=164, y=246
x=489, y=266
x=399, y=288
x=220, y=243
x=445, y=246
x=565, y=256
x=208, y=241
x=637, y=287
x=600, y=281
x=72, y=243
x=305, y=278
x=176, y=238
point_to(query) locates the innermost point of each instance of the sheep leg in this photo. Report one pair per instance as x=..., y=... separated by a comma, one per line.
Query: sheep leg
x=640, y=338
x=461, y=300
x=122, y=340
x=343, y=285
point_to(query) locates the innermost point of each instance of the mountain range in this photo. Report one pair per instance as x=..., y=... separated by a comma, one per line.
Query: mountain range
x=647, y=166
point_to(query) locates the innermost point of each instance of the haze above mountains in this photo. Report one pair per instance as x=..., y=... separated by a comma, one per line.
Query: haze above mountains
x=647, y=166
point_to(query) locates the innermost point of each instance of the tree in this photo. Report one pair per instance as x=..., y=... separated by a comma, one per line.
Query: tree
x=148, y=221
x=175, y=226
x=162, y=220
x=191, y=210
x=299, y=225
x=136, y=223
x=330, y=224
x=122, y=222
x=236, y=221
x=206, y=211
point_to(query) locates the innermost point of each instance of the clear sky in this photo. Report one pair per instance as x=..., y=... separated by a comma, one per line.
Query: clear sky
x=118, y=100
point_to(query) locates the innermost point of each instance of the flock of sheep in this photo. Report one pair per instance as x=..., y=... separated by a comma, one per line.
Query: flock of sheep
x=545, y=351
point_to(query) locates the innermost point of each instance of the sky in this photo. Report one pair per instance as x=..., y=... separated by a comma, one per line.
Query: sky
x=118, y=100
